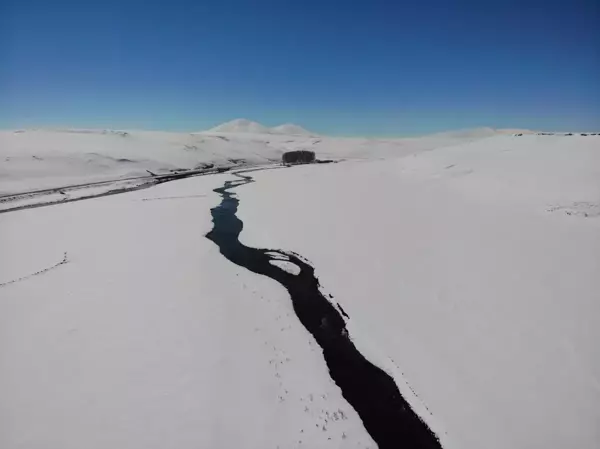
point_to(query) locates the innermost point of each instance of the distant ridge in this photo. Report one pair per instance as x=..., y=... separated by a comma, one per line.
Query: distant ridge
x=478, y=133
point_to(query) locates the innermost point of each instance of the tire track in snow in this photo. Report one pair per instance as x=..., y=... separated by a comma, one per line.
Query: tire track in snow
x=386, y=415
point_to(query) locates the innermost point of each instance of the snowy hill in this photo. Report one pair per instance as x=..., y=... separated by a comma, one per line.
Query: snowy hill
x=245, y=126
x=37, y=159
x=34, y=159
x=290, y=129
x=240, y=125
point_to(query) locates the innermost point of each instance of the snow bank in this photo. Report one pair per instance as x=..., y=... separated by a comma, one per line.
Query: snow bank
x=470, y=273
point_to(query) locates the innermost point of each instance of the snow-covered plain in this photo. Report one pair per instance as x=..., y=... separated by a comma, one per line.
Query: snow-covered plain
x=148, y=338
x=467, y=262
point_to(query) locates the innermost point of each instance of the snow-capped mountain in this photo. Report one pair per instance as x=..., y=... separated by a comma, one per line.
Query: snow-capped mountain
x=291, y=129
x=240, y=125
x=245, y=126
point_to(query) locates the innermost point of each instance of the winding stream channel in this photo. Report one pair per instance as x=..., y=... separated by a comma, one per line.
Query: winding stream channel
x=386, y=415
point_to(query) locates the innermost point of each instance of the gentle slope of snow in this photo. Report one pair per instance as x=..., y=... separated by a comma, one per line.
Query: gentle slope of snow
x=469, y=272
x=148, y=338
x=38, y=159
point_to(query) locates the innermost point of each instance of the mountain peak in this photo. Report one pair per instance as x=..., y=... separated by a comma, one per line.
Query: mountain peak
x=290, y=128
x=240, y=125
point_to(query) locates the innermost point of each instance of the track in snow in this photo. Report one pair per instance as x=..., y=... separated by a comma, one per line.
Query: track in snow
x=386, y=415
x=6, y=201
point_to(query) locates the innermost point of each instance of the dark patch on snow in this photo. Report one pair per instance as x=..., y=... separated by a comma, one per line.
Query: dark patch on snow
x=298, y=157
x=386, y=415
x=326, y=161
x=37, y=273
x=204, y=165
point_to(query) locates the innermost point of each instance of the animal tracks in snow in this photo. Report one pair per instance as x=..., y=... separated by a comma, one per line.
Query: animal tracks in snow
x=37, y=273
x=583, y=209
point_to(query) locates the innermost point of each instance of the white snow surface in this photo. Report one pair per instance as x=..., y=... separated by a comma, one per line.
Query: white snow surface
x=42, y=159
x=286, y=266
x=148, y=338
x=468, y=267
x=470, y=273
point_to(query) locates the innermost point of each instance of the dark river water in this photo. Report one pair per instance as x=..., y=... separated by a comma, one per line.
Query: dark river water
x=386, y=415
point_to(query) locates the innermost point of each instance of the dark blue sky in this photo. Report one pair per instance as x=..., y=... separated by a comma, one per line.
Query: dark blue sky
x=339, y=67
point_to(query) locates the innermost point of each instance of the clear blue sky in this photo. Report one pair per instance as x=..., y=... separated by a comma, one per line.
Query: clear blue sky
x=349, y=67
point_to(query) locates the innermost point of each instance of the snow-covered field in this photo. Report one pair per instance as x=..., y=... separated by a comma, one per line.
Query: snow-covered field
x=148, y=338
x=468, y=264
x=471, y=272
